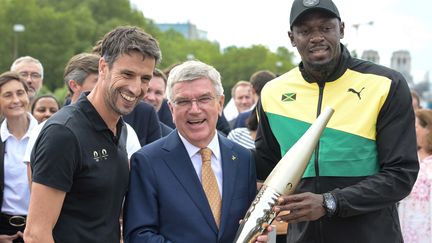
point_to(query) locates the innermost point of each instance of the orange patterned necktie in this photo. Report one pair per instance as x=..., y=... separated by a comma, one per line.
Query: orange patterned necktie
x=210, y=186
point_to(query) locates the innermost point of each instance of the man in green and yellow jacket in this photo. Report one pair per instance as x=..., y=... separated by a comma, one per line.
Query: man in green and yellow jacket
x=366, y=160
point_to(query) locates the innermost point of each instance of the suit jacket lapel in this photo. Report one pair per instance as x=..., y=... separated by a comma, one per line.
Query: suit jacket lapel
x=181, y=166
x=229, y=168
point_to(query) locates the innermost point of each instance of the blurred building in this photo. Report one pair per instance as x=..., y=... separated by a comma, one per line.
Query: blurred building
x=401, y=61
x=371, y=55
x=188, y=30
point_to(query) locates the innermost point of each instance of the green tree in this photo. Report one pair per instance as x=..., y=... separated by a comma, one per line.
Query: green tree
x=41, y=38
x=56, y=30
x=237, y=64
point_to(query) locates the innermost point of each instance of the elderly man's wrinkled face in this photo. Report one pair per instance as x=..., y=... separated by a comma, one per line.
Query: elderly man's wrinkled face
x=32, y=74
x=195, y=108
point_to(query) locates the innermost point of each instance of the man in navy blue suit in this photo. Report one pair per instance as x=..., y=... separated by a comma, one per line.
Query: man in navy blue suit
x=168, y=198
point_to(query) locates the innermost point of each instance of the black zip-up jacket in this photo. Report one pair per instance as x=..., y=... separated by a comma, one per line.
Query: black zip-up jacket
x=366, y=203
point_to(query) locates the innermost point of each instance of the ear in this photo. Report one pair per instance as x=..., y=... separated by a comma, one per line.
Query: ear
x=221, y=103
x=171, y=107
x=74, y=86
x=291, y=37
x=342, y=29
x=102, y=66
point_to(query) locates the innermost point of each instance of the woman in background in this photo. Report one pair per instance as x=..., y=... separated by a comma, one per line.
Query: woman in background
x=14, y=132
x=44, y=107
x=415, y=211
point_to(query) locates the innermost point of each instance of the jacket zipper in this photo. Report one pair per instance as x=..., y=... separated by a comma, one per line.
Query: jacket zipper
x=320, y=98
x=316, y=164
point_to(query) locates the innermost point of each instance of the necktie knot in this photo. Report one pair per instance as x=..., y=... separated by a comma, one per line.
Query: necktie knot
x=205, y=155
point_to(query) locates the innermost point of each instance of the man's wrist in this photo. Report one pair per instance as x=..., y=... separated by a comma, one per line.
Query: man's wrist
x=329, y=204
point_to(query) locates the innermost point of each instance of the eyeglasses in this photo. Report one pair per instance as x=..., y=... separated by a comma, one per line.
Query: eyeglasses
x=33, y=75
x=187, y=103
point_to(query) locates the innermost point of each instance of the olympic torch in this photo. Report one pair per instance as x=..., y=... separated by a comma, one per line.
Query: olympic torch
x=282, y=180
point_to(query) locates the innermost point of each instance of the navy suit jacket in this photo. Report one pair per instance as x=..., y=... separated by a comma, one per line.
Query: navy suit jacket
x=165, y=130
x=241, y=119
x=165, y=115
x=166, y=202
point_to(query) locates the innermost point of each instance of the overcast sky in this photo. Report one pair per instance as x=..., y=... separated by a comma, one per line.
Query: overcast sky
x=397, y=24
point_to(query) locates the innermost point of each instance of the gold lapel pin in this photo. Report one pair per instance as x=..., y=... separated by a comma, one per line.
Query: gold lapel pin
x=233, y=157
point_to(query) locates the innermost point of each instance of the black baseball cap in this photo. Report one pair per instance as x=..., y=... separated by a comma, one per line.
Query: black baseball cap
x=300, y=7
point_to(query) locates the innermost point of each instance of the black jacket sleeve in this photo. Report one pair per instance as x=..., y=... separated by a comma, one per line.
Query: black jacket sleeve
x=267, y=153
x=397, y=156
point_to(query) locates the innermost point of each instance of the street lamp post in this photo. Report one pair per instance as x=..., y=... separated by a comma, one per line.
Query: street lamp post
x=190, y=57
x=356, y=27
x=17, y=28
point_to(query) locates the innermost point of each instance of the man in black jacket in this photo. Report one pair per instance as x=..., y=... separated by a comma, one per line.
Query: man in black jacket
x=366, y=160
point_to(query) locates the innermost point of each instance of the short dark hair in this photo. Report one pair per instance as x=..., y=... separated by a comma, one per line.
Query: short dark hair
x=158, y=73
x=44, y=96
x=79, y=67
x=97, y=48
x=252, y=120
x=126, y=39
x=8, y=76
x=259, y=79
x=238, y=84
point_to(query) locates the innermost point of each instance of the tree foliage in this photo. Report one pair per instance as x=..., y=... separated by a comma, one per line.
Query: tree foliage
x=56, y=30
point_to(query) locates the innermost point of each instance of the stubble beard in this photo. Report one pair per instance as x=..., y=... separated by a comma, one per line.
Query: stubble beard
x=322, y=70
x=111, y=97
x=326, y=67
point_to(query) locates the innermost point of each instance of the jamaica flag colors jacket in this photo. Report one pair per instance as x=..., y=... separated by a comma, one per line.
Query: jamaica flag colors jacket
x=366, y=156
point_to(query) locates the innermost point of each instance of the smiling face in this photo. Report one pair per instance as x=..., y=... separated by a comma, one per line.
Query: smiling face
x=14, y=100
x=156, y=92
x=44, y=108
x=196, y=123
x=317, y=35
x=126, y=82
x=30, y=72
x=243, y=97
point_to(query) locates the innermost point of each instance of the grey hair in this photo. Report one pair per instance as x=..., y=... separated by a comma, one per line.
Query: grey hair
x=78, y=75
x=27, y=59
x=193, y=70
x=80, y=67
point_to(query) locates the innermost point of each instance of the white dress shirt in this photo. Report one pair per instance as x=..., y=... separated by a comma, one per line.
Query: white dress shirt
x=16, y=194
x=216, y=159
